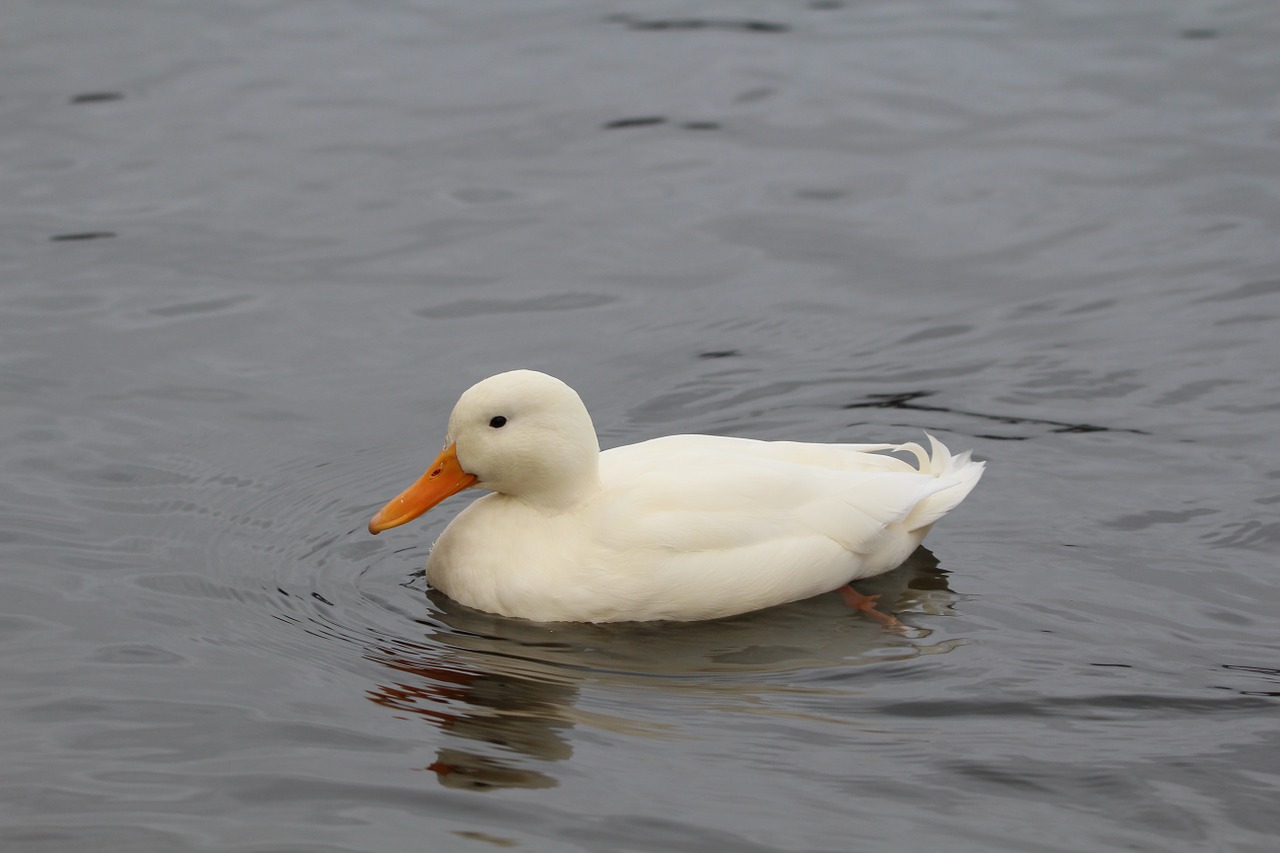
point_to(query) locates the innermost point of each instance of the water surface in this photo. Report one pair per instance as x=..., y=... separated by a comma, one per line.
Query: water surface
x=251, y=253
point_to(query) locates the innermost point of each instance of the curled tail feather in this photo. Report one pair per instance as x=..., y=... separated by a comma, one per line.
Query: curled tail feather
x=960, y=470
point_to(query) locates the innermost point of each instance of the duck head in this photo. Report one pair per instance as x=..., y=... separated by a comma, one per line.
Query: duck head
x=523, y=433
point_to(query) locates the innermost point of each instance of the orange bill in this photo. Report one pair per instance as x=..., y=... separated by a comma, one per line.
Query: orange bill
x=445, y=477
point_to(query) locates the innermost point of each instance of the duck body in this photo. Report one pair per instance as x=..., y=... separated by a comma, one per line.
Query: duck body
x=684, y=527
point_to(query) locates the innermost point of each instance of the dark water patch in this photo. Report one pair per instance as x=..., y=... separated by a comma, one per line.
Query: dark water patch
x=1254, y=409
x=936, y=332
x=1198, y=33
x=697, y=398
x=663, y=833
x=1245, y=291
x=40, y=436
x=906, y=400
x=320, y=629
x=638, y=121
x=1081, y=384
x=721, y=353
x=331, y=799
x=1264, y=673
x=1151, y=518
x=188, y=394
x=70, y=708
x=168, y=507
x=1252, y=534
x=35, y=837
x=818, y=194
x=97, y=97
x=131, y=474
x=55, y=303
x=1091, y=307
x=357, y=622
x=473, y=195
x=1095, y=787
x=271, y=416
x=1242, y=319
x=231, y=480
x=82, y=235
x=483, y=307
x=1098, y=707
x=692, y=24
x=759, y=93
x=135, y=653
x=14, y=626
x=1194, y=390
x=700, y=125
x=22, y=383
x=206, y=306
x=1038, y=778
x=192, y=730
x=194, y=586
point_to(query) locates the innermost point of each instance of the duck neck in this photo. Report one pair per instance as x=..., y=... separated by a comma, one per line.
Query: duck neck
x=572, y=482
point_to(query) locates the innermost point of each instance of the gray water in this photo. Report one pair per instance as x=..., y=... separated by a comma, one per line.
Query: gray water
x=250, y=253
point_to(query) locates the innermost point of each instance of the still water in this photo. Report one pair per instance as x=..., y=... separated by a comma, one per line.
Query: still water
x=250, y=253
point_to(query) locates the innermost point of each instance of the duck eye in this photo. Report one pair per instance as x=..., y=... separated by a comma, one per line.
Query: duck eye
x=498, y=422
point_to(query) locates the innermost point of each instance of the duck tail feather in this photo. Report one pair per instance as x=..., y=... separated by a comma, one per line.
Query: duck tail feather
x=960, y=469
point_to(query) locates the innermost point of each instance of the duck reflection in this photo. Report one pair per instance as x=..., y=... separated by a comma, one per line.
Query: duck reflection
x=513, y=713
x=506, y=691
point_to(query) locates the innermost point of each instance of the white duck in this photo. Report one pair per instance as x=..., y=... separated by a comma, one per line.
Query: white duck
x=683, y=527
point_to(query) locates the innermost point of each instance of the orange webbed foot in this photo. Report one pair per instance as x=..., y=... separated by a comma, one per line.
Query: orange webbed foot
x=867, y=605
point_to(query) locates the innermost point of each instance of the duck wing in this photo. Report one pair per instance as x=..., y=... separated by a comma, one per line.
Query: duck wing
x=707, y=493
